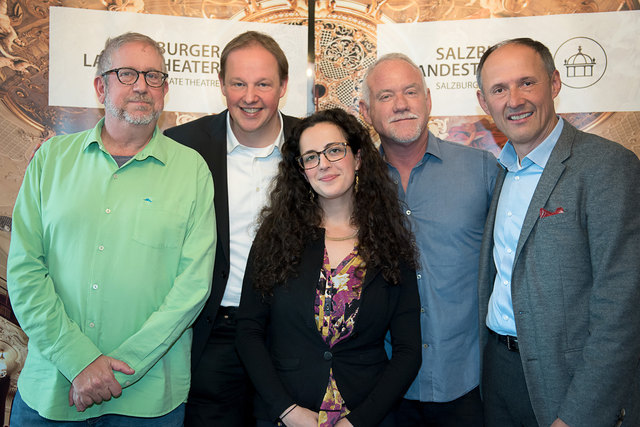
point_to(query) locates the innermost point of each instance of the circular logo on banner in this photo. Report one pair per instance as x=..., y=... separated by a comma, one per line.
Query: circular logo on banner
x=581, y=62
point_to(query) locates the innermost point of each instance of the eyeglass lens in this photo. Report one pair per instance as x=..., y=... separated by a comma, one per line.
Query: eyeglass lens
x=129, y=76
x=333, y=153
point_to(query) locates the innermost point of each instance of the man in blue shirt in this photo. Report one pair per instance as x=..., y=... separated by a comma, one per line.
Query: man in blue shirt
x=559, y=267
x=446, y=189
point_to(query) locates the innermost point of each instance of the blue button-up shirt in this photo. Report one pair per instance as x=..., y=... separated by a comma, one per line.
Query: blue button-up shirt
x=447, y=199
x=518, y=188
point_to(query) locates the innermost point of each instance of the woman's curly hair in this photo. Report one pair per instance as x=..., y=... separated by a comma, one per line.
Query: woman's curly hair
x=293, y=216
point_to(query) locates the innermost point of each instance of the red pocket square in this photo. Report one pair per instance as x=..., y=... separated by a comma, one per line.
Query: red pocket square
x=545, y=213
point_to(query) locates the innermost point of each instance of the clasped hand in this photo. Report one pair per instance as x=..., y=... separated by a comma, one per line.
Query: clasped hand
x=303, y=417
x=97, y=383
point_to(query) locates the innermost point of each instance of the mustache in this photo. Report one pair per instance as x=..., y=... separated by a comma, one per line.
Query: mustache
x=403, y=116
x=140, y=98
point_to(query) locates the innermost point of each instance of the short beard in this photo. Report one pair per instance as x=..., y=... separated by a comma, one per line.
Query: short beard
x=419, y=129
x=122, y=114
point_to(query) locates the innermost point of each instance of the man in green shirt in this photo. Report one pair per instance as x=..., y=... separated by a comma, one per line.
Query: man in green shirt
x=111, y=258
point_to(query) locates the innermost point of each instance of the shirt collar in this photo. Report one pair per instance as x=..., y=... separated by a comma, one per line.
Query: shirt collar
x=433, y=149
x=233, y=143
x=540, y=155
x=153, y=149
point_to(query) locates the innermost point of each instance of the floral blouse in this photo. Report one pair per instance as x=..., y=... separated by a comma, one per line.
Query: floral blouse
x=336, y=307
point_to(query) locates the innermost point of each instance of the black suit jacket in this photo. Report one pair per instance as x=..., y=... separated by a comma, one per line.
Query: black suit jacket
x=289, y=362
x=208, y=136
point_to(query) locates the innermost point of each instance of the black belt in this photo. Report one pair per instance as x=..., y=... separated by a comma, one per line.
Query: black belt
x=508, y=340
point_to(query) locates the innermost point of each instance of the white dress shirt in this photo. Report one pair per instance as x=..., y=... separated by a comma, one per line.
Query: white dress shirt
x=249, y=175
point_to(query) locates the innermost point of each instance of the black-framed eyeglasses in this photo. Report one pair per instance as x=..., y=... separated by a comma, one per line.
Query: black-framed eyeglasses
x=129, y=76
x=333, y=152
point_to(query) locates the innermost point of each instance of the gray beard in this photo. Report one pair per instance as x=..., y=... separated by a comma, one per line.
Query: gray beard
x=407, y=139
x=122, y=114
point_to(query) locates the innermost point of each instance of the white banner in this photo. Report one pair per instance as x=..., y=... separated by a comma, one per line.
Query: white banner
x=597, y=55
x=192, y=52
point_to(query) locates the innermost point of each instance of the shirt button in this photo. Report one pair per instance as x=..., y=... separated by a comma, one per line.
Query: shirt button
x=509, y=250
x=506, y=282
x=92, y=325
x=107, y=210
x=115, y=176
x=101, y=248
x=419, y=276
x=408, y=211
x=327, y=355
x=94, y=286
x=425, y=346
x=257, y=189
x=505, y=317
x=517, y=178
x=509, y=213
x=422, y=310
x=395, y=181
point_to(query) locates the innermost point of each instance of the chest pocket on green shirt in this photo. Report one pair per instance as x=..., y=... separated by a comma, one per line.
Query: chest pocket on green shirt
x=159, y=228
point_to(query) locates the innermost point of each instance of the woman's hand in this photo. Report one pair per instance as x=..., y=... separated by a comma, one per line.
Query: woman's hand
x=344, y=423
x=300, y=417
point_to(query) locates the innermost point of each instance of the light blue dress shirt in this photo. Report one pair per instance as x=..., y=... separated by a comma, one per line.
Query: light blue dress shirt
x=447, y=200
x=518, y=188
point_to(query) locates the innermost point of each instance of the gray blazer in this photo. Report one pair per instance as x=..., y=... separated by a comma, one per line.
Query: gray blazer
x=576, y=284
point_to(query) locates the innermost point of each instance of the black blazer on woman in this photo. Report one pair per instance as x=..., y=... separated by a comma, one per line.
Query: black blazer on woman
x=289, y=362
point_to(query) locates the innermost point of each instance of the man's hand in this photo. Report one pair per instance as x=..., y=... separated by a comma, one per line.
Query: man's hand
x=301, y=417
x=96, y=382
x=559, y=423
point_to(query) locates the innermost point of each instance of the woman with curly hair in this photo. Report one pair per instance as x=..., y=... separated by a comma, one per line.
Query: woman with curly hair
x=331, y=270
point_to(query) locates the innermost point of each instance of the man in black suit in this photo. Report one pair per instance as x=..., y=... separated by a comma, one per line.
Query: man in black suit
x=241, y=146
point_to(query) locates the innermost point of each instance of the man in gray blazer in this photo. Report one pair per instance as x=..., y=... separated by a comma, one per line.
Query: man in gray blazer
x=559, y=282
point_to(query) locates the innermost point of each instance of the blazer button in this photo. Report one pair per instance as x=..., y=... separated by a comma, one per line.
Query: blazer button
x=225, y=275
x=327, y=355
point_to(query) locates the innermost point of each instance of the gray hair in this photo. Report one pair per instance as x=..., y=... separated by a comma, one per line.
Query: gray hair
x=540, y=48
x=115, y=43
x=394, y=56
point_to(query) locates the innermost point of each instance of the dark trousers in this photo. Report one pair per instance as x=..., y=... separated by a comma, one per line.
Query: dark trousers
x=221, y=392
x=504, y=390
x=464, y=411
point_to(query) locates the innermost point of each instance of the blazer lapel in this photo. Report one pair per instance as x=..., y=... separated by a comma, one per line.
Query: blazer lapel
x=370, y=274
x=218, y=133
x=306, y=283
x=550, y=176
x=490, y=225
x=487, y=269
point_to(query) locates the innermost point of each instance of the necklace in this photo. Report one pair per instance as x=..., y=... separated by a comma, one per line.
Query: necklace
x=341, y=239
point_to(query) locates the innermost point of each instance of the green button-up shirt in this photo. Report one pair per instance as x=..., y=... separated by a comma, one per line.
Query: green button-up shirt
x=113, y=261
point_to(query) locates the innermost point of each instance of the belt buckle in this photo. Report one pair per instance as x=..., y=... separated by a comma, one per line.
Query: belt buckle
x=512, y=343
